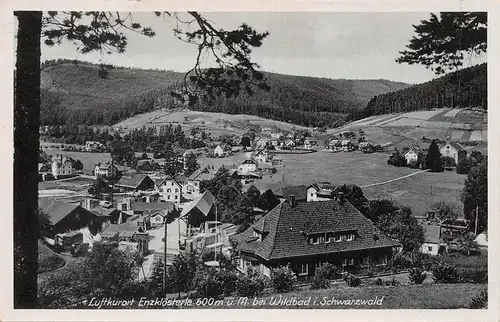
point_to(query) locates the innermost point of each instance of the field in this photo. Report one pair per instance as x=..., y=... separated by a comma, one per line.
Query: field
x=425, y=296
x=214, y=123
x=468, y=126
x=418, y=192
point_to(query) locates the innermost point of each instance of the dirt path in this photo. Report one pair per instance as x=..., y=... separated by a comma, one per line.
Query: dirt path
x=395, y=179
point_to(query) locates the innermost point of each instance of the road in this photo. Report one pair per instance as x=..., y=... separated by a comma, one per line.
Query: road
x=395, y=179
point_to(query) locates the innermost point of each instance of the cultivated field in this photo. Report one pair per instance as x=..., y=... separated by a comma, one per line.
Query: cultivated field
x=214, y=123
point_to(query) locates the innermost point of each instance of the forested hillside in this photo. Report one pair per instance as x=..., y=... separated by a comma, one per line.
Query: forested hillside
x=84, y=93
x=464, y=88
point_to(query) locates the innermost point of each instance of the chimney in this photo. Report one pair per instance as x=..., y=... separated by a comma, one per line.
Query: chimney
x=293, y=201
x=341, y=197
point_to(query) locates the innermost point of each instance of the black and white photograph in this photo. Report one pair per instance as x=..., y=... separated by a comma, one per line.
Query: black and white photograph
x=178, y=160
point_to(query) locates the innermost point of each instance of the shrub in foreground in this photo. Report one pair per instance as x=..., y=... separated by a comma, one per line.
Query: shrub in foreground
x=352, y=280
x=416, y=275
x=480, y=301
x=283, y=279
x=250, y=285
x=445, y=273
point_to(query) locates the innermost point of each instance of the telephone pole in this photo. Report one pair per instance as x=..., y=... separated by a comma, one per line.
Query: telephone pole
x=477, y=211
x=165, y=259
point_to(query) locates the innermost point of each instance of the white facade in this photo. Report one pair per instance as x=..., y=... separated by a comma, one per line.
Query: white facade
x=218, y=151
x=247, y=166
x=430, y=248
x=261, y=157
x=105, y=170
x=411, y=156
x=312, y=194
x=170, y=191
x=62, y=167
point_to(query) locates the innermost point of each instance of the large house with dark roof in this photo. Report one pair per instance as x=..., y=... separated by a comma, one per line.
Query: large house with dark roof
x=65, y=217
x=306, y=235
x=136, y=182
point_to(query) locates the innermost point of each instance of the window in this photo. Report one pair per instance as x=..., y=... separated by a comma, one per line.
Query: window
x=350, y=237
x=344, y=262
x=304, y=269
x=315, y=240
x=338, y=238
x=318, y=265
x=168, y=197
x=176, y=197
x=429, y=248
x=329, y=237
x=351, y=261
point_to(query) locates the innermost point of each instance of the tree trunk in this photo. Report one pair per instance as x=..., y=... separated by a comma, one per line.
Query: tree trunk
x=26, y=147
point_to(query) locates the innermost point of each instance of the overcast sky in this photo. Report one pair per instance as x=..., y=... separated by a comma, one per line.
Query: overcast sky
x=333, y=45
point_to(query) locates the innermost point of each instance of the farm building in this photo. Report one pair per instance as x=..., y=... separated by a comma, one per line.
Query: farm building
x=310, y=143
x=321, y=191
x=347, y=145
x=306, y=235
x=66, y=217
x=335, y=145
x=366, y=147
x=453, y=150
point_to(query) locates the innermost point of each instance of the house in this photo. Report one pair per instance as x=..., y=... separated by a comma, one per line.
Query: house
x=261, y=156
x=321, y=191
x=157, y=219
x=65, y=217
x=453, y=150
x=127, y=232
x=335, y=145
x=262, y=143
x=248, y=165
x=310, y=143
x=170, y=189
x=93, y=146
x=309, y=234
x=219, y=151
x=274, y=142
x=214, y=236
x=267, y=130
x=45, y=171
x=136, y=182
x=142, y=211
x=62, y=167
x=347, y=145
x=105, y=169
x=433, y=243
x=290, y=143
x=236, y=149
x=193, y=186
x=277, y=135
x=299, y=192
x=111, y=215
x=197, y=212
x=411, y=156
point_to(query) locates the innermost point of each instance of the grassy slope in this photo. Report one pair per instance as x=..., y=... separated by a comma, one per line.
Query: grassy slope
x=47, y=259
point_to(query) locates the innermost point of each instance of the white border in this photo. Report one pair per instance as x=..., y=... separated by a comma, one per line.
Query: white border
x=6, y=146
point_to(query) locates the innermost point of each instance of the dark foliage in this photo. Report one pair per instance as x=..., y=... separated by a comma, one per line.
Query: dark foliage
x=480, y=301
x=416, y=275
x=445, y=274
x=283, y=279
x=433, y=160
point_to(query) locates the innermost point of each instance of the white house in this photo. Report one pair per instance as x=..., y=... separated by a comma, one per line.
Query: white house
x=277, y=135
x=91, y=146
x=290, y=143
x=170, y=189
x=411, y=156
x=261, y=156
x=335, y=145
x=261, y=143
x=62, y=167
x=310, y=143
x=453, y=150
x=247, y=166
x=433, y=243
x=321, y=191
x=267, y=130
x=347, y=145
x=219, y=151
x=105, y=169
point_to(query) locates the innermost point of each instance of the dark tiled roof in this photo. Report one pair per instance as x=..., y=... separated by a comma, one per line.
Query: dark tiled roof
x=203, y=203
x=101, y=211
x=432, y=233
x=56, y=210
x=152, y=206
x=132, y=181
x=288, y=227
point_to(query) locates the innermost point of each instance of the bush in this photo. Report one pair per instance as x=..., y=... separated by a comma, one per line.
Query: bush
x=392, y=282
x=283, y=279
x=250, y=285
x=416, y=275
x=378, y=282
x=352, y=280
x=475, y=276
x=444, y=274
x=319, y=281
x=228, y=278
x=413, y=164
x=207, y=283
x=480, y=301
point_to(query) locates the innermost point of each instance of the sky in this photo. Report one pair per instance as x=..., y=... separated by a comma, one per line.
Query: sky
x=356, y=45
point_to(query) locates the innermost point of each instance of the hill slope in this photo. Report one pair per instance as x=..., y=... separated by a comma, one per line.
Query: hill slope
x=75, y=92
x=467, y=87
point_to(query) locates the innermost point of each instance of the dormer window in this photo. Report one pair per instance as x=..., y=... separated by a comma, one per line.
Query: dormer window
x=257, y=235
x=338, y=238
x=315, y=240
x=350, y=237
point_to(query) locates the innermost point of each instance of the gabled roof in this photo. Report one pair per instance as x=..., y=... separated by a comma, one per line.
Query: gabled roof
x=125, y=229
x=322, y=186
x=344, y=142
x=57, y=210
x=456, y=145
x=101, y=211
x=132, y=180
x=203, y=203
x=289, y=228
x=201, y=175
x=410, y=150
